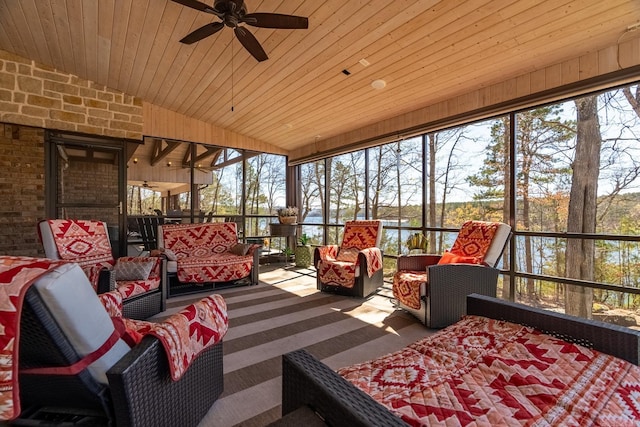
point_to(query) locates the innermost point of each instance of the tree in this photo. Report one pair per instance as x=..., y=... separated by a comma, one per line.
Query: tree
x=580, y=253
x=539, y=134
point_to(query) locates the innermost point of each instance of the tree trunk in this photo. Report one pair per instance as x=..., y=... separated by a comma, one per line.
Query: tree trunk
x=432, y=191
x=506, y=206
x=582, y=207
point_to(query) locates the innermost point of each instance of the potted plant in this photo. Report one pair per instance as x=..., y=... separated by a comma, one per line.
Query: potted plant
x=303, y=252
x=417, y=243
x=288, y=215
x=287, y=252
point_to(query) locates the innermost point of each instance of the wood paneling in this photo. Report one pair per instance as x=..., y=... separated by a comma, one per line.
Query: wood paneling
x=452, y=54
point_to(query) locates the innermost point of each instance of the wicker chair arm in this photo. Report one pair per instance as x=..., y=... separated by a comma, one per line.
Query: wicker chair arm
x=416, y=261
x=307, y=381
x=144, y=394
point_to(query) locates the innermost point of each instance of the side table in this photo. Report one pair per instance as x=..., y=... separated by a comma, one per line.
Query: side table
x=287, y=231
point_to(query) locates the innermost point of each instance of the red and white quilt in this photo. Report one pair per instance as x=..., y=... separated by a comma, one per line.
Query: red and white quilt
x=483, y=371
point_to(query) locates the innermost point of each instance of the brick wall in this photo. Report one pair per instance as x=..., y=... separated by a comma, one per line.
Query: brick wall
x=36, y=95
x=21, y=189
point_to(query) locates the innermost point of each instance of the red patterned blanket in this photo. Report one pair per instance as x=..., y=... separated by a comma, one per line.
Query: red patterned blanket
x=16, y=275
x=482, y=371
x=187, y=333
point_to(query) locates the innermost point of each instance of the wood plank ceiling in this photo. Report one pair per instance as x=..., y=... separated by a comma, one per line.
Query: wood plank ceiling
x=425, y=50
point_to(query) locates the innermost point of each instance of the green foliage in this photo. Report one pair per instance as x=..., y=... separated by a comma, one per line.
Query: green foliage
x=304, y=239
x=287, y=252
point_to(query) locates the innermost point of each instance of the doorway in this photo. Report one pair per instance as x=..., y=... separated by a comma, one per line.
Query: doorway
x=86, y=180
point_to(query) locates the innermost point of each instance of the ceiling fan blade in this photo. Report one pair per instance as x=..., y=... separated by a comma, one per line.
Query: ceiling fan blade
x=275, y=20
x=250, y=43
x=195, y=4
x=202, y=32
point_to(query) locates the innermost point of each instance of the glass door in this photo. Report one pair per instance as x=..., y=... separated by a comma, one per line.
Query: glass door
x=86, y=181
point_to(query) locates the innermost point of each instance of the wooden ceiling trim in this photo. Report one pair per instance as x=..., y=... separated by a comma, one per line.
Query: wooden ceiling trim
x=161, y=123
x=458, y=68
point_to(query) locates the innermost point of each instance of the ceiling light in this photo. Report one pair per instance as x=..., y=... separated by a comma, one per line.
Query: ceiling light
x=378, y=84
x=364, y=62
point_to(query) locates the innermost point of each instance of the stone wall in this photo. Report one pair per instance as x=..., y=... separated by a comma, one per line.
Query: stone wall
x=36, y=95
x=21, y=189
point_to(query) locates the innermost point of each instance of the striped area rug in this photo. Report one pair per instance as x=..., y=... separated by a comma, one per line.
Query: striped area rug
x=286, y=312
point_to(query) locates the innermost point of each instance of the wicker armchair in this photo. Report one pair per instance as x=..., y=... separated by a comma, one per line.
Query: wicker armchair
x=355, y=267
x=124, y=387
x=435, y=292
x=86, y=242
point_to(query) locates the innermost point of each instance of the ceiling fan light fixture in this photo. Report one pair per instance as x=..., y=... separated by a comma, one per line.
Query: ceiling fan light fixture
x=378, y=84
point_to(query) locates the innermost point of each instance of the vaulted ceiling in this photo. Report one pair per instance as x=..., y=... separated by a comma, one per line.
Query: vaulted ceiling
x=424, y=50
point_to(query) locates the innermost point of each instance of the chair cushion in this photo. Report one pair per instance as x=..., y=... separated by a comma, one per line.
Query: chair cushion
x=82, y=241
x=240, y=249
x=451, y=258
x=224, y=267
x=348, y=254
x=362, y=234
x=133, y=270
x=474, y=239
x=69, y=296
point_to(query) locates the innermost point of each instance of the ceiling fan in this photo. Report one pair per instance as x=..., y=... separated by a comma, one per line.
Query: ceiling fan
x=234, y=12
x=145, y=184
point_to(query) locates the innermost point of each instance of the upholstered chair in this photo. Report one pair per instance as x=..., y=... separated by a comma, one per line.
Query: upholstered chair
x=434, y=287
x=86, y=242
x=355, y=267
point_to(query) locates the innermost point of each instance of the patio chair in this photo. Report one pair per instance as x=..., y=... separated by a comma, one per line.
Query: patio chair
x=86, y=242
x=148, y=229
x=62, y=324
x=434, y=288
x=355, y=267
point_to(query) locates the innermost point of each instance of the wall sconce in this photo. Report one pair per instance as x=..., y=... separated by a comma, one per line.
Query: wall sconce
x=135, y=160
x=168, y=164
